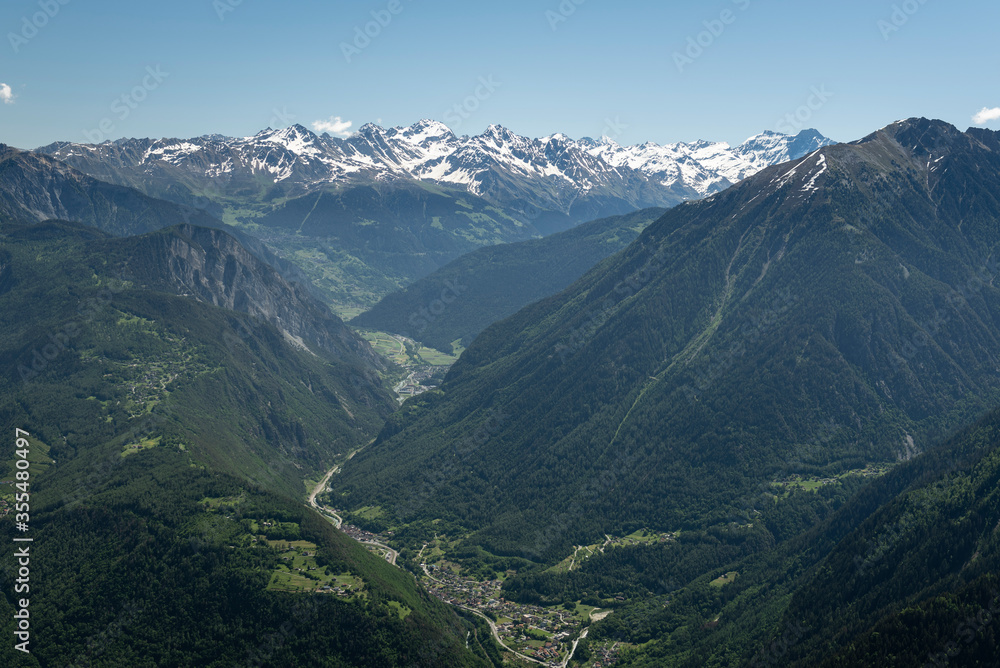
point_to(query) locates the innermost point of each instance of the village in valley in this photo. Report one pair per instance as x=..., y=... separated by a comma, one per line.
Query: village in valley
x=541, y=633
x=418, y=369
x=531, y=634
x=544, y=635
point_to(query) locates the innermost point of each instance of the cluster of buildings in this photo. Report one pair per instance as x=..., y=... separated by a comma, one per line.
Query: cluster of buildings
x=147, y=383
x=606, y=656
x=338, y=589
x=550, y=652
x=359, y=535
x=461, y=591
x=414, y=383
x=658, y=538
x=515, y=620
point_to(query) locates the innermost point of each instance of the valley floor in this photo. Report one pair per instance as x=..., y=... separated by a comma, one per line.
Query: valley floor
x=419, y=368
x=546, y=636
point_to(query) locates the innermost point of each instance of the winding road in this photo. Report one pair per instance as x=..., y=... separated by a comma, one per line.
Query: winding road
x=392, y=555
x=572, y=562
x=328, y=513
x=493, y=627
x=337, y=520
x=496, y=634
x=573, y=651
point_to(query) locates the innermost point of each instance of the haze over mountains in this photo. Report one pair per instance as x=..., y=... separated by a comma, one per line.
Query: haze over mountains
x=35, y=187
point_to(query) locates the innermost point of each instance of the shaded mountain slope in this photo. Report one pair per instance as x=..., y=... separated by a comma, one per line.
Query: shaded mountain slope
x=152, y=574
x=290, y=386
x=36, y=187
x=466, y=296
x=904, y=574
x=212, y=266
x=822, y=315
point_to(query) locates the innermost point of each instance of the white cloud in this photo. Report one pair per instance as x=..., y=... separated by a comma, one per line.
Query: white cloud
x=986, y=115
x=335, y=125
x=6, y=94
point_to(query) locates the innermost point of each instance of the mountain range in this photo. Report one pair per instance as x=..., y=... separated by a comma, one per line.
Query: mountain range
x=580, y=179
x=367, y=215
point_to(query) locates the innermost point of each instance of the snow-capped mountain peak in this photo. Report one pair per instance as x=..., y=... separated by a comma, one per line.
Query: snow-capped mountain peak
x=772, y=148
x=296, y=138
x=371, y=130
x=557, y=137
x=426, y=131
x=553, y=173
x=499, y=135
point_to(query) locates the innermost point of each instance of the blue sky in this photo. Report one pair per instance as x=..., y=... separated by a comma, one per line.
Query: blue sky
x=78, y=69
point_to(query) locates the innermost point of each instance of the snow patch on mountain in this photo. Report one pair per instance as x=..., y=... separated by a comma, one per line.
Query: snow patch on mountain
x=821, y=163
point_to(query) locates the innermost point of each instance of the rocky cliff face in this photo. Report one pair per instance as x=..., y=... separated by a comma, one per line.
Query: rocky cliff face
x=213, y=267
x=35, y=188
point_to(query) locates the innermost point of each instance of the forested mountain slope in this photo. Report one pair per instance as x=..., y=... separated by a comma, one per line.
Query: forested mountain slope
x=904, y=574
x=170, y=436
x=823, y=315
x=469, y=294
